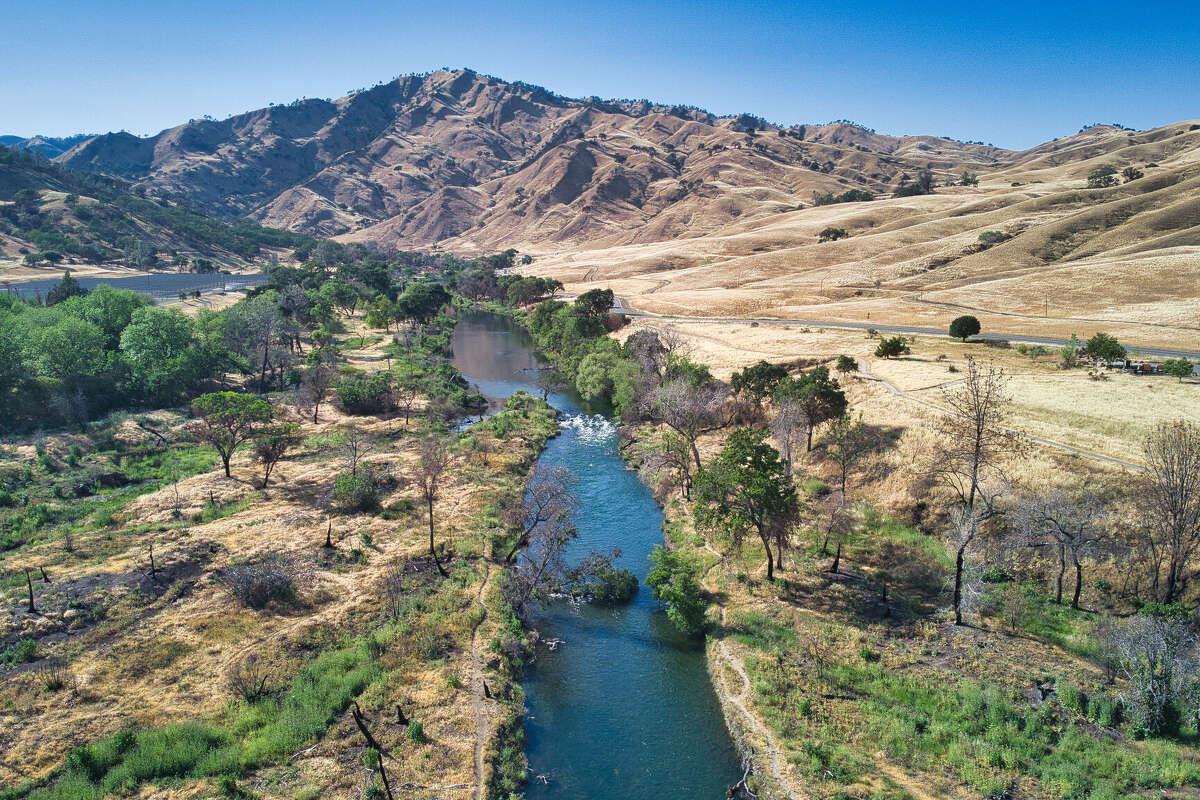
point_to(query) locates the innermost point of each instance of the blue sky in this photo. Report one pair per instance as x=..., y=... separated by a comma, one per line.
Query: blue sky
x=1015, y=74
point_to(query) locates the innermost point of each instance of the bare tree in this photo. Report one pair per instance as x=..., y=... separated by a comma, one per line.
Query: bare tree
x=317, y=381
x=688, y=409
x=272, y=443
x=973, y=445
x=550, y=381
x=1157, y=652
x=837, y=519
x=548, y=500
x=354, y=446
x=431, y=466
x=1073, y=526
x=1169, y=496
x=788, y=422
x=850, y=440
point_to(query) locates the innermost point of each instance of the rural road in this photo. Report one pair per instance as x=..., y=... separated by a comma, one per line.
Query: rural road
x=1155, y=352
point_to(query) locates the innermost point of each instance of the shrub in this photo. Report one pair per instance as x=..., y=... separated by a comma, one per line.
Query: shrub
x=832, y=234
x=357, y=491
x=255, y=586
x=675, y=581
x=892, y=347
x=415, y=732
x=361, y=394
x=22, y=652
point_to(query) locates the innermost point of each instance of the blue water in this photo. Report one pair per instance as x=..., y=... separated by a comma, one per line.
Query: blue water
x=623, y=708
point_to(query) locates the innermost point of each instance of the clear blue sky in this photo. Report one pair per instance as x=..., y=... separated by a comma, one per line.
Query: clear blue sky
x=1015, y=74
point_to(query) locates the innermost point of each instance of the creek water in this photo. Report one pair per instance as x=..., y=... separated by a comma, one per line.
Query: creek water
x=623, y=708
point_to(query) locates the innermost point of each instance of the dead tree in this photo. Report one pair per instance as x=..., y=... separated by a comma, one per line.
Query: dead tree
x=380, y=753
x=547, y=499
x=431, y=466
x=1072, y=526
x=29, y=583
x=1169, y=500
x=973, y=446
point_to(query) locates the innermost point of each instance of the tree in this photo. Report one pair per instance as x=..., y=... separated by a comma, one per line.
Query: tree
x=832, y=234
x=1104, y=347
x=431, y=465
x=161, y=348
x=550, y=381
x=892, y=347
x=746, y=488
x=1156, y=650
x=758, y=381
x=422, y=301
x=1131, y=173
x=319, y=377
x=968, y=179
x=1178, y=368
x=850, y=440
x=676, y=584
x=65, y=288
x=1102, y=177
x=547, y=500
x=846, y=365
x=272, y=443
x=380, y=313
x=964, y=327
x=1169, y=498
x=1069, y=352
x=226, y=419
x=1073, y=526
x=973, y=444
x=817, y=397
x=595, y=302
x=785, y=424
x=688, y=409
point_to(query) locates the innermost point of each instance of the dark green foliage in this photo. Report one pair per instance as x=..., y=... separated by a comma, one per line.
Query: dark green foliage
x=846, y=365
x=1178, y=367
x=832, y=234
x=362, y=394
x=1102, y=177
x=848, y=196
x=819, y=397
x=20, y=653
x=66, y=288
x=1104, y=347
x=357, y=491
x=892, y=347
x=964, y=327
x=676, y=584
x=758, y=381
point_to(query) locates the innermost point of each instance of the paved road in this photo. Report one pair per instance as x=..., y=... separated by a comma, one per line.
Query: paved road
x=1155, y=352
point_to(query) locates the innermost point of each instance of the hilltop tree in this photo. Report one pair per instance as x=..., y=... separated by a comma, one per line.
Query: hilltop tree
x=964, y=327
x=1131, y=173
x=226, y=419
x=817, y=397
x=747, y=488
x=1169, y=500
x=973, y=445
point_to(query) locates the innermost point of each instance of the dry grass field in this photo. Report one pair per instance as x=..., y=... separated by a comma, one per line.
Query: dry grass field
x=117, y=646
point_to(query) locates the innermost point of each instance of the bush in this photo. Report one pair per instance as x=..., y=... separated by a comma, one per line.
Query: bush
x=832, y=234
x=892, y=347
x=415, y=732
x=357, y=491
x=22, y=652
x=255, y=586
x=675, y=581
x=361, y=394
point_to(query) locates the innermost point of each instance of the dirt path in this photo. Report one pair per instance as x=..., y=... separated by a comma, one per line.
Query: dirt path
x=478, y=701
x=725, y=656
x=865, y=371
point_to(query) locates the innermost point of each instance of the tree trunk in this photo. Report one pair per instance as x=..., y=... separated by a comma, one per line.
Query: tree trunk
x=1062, y=569
x=225, y=463
x=808, y=447
x=766, y=540
x=316, y=408
x=695, y=452
x=837, y=559
x=432, y=551
x=958, y=572
x=1078, y=585
x=779, y=549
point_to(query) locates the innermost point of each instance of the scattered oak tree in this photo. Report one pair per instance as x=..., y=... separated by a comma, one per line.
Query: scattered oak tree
x=272, y=443
x=1169, y=499
x=964, y=327
x=746, y=487
x=227, y=419
x=431, y=466
x=892, y=347
x=817, y=397
x=1073, y=526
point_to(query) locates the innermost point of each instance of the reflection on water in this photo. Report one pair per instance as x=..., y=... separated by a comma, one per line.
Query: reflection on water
x=624, y=708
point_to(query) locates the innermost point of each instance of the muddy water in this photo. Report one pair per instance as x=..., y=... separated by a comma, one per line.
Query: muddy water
x=623, y=708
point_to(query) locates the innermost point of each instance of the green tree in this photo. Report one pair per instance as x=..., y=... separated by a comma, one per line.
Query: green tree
x=272, y=443
x=1178, y=367
x=227, y=419
x=67, y=287
x=964, y=327
x=110, y=309
x=71, y=348
x=1104, y=347
x=676, y=584
x=832, y=234
x=758, y=381
x=1102, y=177
x=746, y=487
x=422, y=301
x=846, y=365
x=380, y=313
x=892, y=347
x=1131, y=173
x=162, y=352
x=817, y=397
x=596, y=302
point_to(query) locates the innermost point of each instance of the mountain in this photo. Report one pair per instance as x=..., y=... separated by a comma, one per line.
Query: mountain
x=49, y=146
x=49, y=208
x=691, y=212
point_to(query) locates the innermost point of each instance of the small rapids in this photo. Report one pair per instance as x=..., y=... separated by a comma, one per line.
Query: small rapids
x=590, y=429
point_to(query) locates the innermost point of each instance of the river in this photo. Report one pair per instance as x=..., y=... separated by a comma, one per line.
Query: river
x=624, y=707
